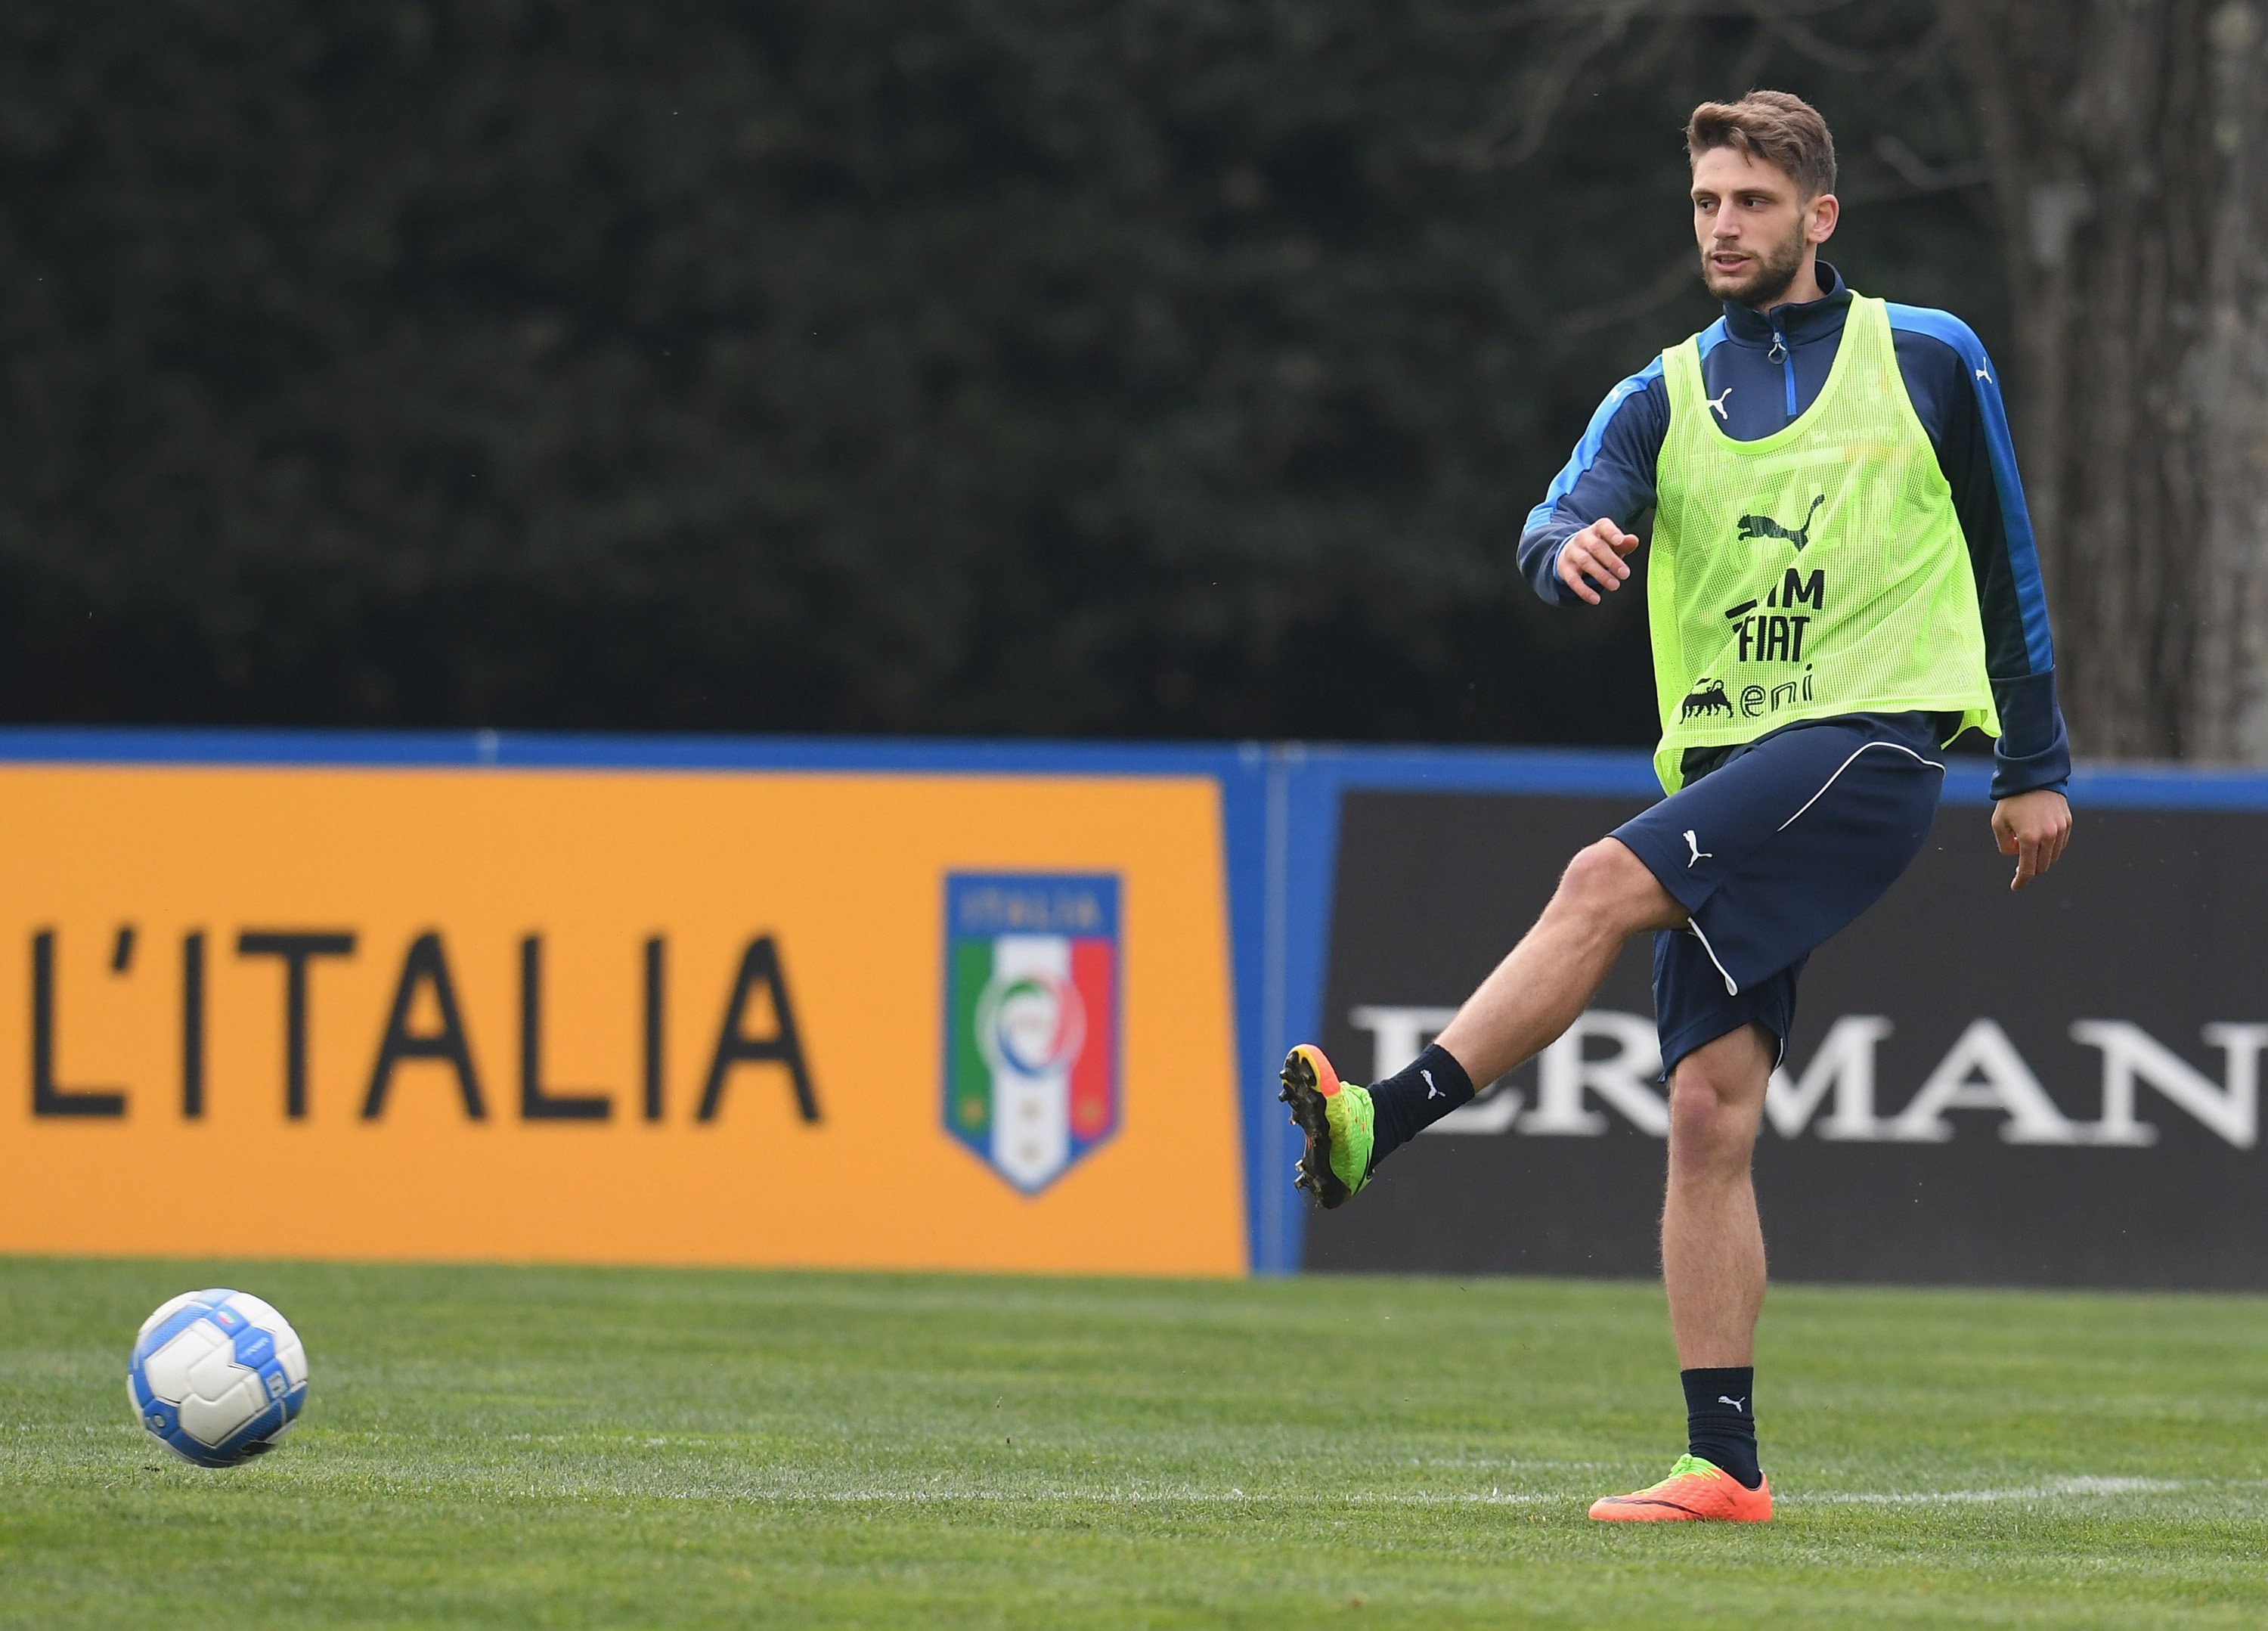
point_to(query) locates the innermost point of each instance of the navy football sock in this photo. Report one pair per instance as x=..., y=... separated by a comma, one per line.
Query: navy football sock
x=1720, y=1420
x=1414, y=1098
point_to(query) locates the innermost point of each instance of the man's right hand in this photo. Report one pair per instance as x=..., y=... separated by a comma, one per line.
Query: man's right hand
x=1594, y=555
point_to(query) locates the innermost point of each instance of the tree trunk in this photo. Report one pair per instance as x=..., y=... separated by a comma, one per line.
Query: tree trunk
x=2127, y=140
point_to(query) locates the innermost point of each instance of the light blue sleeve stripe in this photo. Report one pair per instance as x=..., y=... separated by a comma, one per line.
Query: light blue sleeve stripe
x=2015, y=518
x=1594, y=436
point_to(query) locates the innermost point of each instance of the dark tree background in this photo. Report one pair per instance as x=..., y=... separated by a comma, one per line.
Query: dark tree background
x=1173, y=367
x=2126, y=144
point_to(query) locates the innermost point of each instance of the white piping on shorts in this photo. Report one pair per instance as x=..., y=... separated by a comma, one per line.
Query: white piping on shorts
x=1731, y=990
x=1845, y=765
x=1732, y=987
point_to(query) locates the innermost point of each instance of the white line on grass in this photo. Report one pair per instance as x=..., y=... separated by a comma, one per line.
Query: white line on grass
x=2053, y=1489
x=1110, y=1497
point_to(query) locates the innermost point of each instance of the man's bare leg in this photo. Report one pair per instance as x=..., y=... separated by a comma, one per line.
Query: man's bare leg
x=1606, y=896
x=1712, y=1246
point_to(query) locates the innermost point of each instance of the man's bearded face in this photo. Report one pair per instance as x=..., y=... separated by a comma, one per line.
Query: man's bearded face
x=1770, y=269
x=1752, y=222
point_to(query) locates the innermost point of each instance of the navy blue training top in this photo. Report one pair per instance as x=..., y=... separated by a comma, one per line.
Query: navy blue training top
x=1760, y=371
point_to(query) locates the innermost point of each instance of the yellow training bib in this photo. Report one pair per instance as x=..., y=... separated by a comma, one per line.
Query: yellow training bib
x=1820, y=570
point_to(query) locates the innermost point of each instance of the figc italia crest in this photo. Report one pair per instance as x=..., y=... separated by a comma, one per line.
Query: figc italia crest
x=1031, y=1018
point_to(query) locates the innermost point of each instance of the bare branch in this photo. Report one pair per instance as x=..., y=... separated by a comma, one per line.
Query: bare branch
x=1666, y=285
x=1781, y=21
x=1584, y=29
x=1917, y=178
x=1520, y=16
x=1540, y=97
x=1921, y=175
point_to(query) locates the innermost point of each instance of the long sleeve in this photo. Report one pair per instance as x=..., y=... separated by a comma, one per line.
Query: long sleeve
x=1956, y=391
x=1611, y=475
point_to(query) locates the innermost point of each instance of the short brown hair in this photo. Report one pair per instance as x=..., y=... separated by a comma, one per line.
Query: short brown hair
x=1785, y=131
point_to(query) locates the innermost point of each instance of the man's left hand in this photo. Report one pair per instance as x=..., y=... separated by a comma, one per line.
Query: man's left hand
x=2033, y=827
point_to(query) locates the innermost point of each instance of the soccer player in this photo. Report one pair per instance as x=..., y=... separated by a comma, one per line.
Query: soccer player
x=1841, y=581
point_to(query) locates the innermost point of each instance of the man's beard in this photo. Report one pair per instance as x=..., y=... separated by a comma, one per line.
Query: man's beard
x=1775, y=271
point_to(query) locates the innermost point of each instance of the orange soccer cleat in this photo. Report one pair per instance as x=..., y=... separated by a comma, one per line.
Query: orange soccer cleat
x=1339, y=1123
x=1696, y=1490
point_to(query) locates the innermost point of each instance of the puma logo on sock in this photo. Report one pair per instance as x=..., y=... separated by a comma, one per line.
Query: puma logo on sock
x=1432, y=1092
x=1737, y=1404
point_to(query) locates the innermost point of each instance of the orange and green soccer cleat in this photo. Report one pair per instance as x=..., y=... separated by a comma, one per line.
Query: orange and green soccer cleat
x=1336, y=1118
x=1696, y=1490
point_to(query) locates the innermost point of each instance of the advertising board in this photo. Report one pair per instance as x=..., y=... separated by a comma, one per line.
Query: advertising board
x=797, y=1017
x=1019, y=1006
x=2058, y=1087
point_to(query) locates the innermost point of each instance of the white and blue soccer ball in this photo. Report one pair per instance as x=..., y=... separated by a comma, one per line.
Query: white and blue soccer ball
x=217, y=1376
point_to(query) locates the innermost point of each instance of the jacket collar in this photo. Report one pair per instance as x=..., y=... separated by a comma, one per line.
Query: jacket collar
x=1813, y=320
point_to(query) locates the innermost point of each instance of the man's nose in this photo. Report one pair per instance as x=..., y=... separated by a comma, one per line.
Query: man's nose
x=1727, y=223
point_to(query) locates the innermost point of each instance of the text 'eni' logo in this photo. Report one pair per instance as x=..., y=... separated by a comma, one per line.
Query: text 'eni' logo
x=1031, y=1019
x=758, y=1027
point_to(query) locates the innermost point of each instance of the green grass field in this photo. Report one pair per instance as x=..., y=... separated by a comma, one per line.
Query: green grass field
x=542, y=1447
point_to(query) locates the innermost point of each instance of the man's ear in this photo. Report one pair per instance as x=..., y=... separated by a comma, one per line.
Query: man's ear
x=1821, y=215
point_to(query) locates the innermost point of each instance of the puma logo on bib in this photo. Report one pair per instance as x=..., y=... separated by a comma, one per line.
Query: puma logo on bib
x=1764, y=526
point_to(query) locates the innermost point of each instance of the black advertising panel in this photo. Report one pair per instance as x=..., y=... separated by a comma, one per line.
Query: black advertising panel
x=2055, y=1088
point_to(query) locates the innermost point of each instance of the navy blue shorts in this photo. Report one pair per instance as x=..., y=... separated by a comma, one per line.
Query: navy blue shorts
x=1772, y=852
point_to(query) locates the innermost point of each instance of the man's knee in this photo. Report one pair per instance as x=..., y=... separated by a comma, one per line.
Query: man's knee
x=1703, y=1113
x=1608, y=882
x=1716, y=1099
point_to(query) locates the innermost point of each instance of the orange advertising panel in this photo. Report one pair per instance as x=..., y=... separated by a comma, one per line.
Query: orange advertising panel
x=969, y=1022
